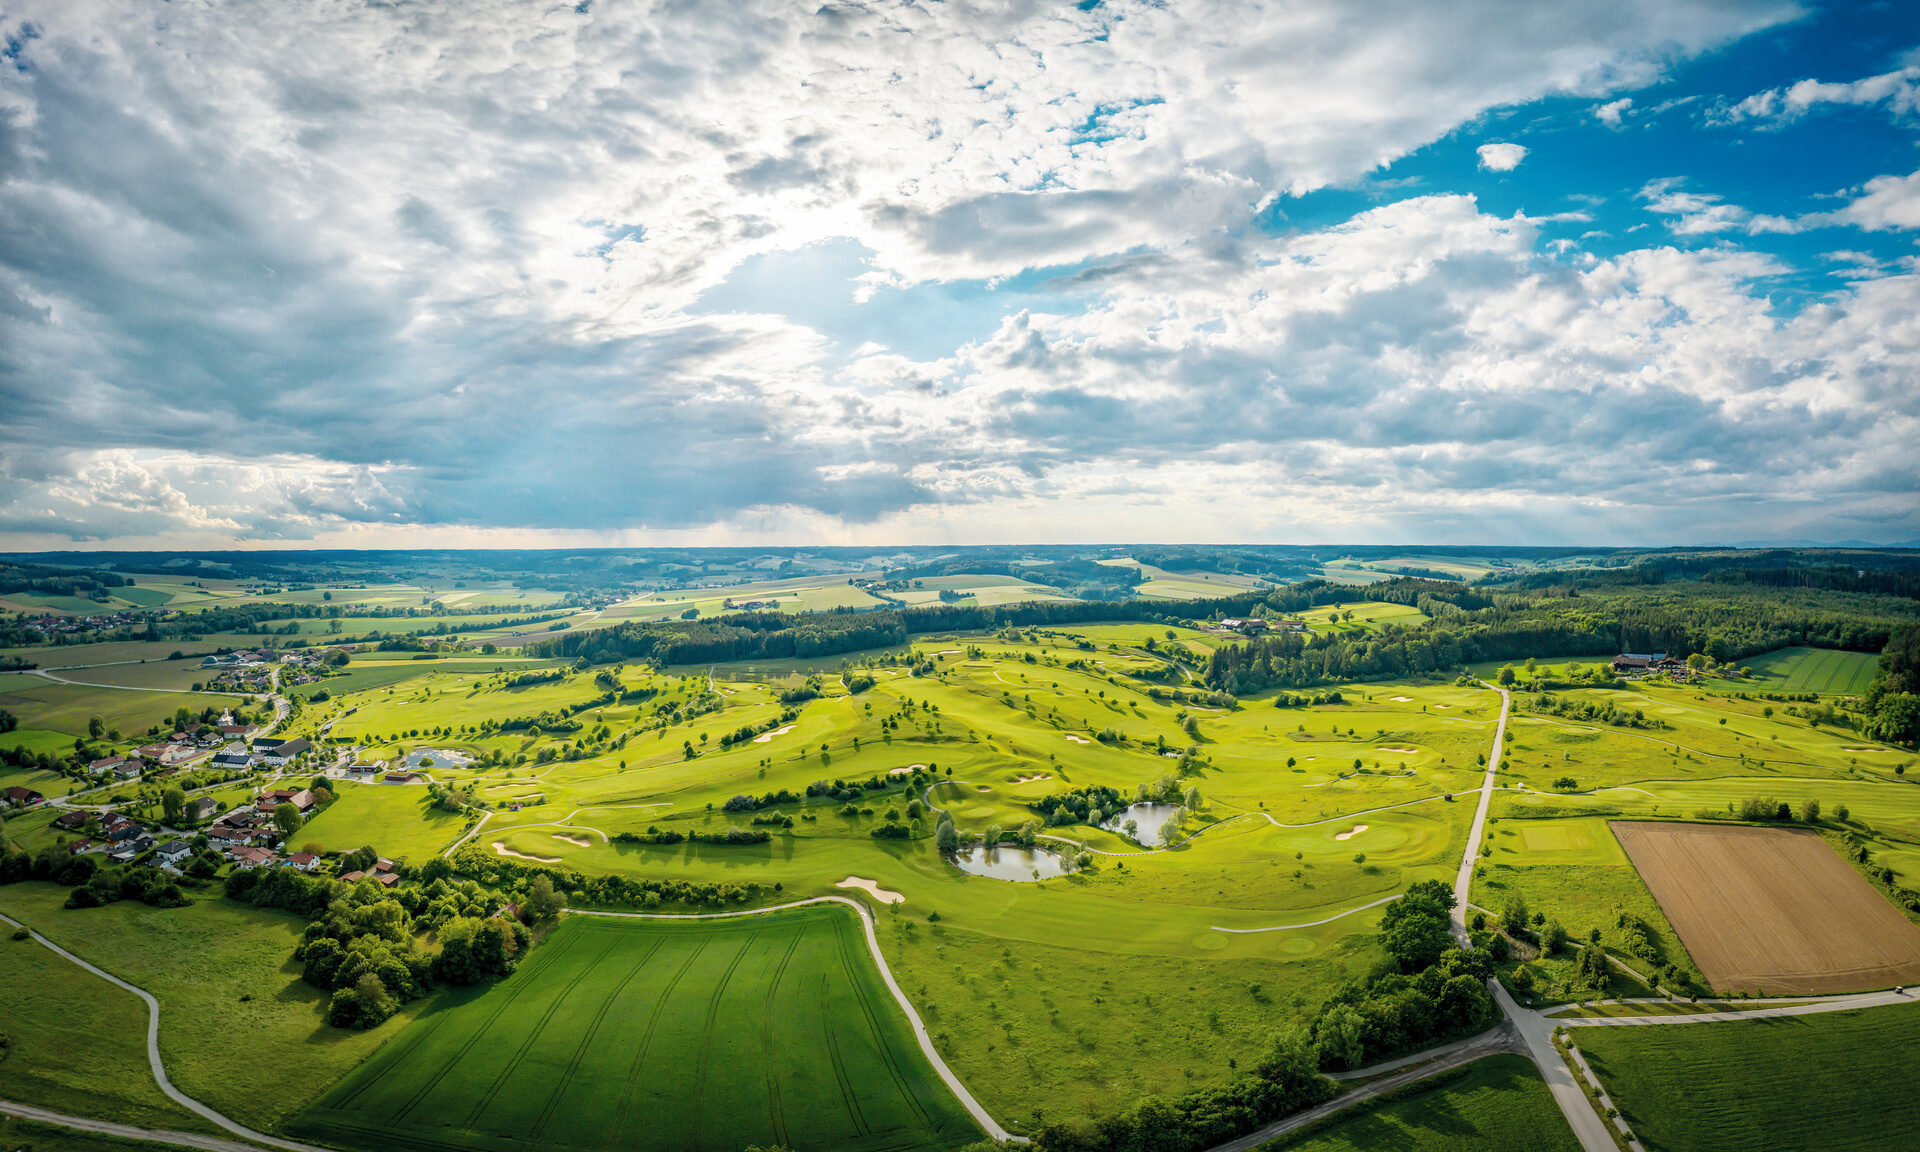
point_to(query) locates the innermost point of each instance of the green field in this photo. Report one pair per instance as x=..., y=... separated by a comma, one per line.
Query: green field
x=1498, y=1105
x=1828, y=671
x=769, y=1030
x=78, y=1043
x=1833, y=1081
x=239, y=1030
x=394, y=818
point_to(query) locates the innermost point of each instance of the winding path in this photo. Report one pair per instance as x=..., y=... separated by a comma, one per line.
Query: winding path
x=123, y=1131
x=980, y=1114
x=153, y=1055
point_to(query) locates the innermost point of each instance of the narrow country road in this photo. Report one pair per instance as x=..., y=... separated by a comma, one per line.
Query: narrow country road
x=153, y=1053
x=124, y=1131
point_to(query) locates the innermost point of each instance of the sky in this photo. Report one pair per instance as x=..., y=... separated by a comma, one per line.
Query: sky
x=497, y=273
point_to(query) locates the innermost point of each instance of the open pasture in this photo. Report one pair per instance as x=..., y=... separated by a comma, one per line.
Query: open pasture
x=1833, y=1082
x=765, y=1030
x=1828, y=671
x=1772, y=910
x=395, y=818
x=1494, y=1105
x=41, y=703
x=61, y=656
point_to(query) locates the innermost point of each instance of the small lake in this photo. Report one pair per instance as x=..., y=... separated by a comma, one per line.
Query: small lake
x=429, y=758
x=1147, y=819
x=1007, y=863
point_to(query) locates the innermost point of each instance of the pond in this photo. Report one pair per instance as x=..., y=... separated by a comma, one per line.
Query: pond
x=1147, y=820
x=1006, y=863
x=429, y=758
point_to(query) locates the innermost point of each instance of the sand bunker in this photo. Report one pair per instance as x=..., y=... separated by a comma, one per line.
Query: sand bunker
x=983, y=787
x=899, y=771
x=1401, y=751
x=577, y=841
x=1351, y=832
x=500, y=848
x=1401, y=699
x=766, y=736
x=1443, y=705
x=1078, y=739
x=1863, y=749
x=948, y=652
x=1032, y=778
x=872, y=889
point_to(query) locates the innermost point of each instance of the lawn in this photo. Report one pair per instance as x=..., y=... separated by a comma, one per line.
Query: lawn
x=1831, y=1082
x=1499, y=1104
x=394, y=818
x=716, y=1035
x=40, y=703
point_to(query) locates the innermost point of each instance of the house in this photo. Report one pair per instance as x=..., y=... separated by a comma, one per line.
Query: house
x=21, y=797
x=1248, y=626
x=304, y=861
x=199, y=808
x=401, y=777
x=387, y=879
x=241, y=731
x=251, y=857
x=1293, y=625
x=223, y=837
x=106, y=764
x=362, y=769
x=71, y=820
x=173, y=852
x=231, y=761
x=120, y=829
x=383, y=865
x=352, y=877
x=1647, y=662
x=128, y=770
x=165, y=753
x=282, y=752
x=301, y=799
x=123, y=855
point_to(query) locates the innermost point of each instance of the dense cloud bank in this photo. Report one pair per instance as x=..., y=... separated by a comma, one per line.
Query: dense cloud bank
x=286, y=271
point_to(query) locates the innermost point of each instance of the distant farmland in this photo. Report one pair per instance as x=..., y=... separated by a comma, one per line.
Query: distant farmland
x=1828, y=671
x=716, y=1035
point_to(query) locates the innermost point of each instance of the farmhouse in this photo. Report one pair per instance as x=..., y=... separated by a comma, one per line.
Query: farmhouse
x=1247, y=626
x=71, y=820
x=304, y=861
x=1646, y=662
x=21, y=797
x=107, y=764
x=232, y=761
x=128, y=770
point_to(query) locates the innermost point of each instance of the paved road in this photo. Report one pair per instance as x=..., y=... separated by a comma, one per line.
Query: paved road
x=1830, y=1004
x=124, y=1131
x=1489, y=1043
x=153, y=1054
x=932, y=1054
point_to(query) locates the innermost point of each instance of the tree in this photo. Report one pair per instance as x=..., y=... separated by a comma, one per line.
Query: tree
x=1506, y=677
x=1810, y=812
x=1192, y=798
x=542, y=901
x=1514, y=916
x=946, y=836
x=96, y=727
x=1840, y=813
x=1341, y=1037
x=172, y=802
x=287, y=818
x=1553, y=939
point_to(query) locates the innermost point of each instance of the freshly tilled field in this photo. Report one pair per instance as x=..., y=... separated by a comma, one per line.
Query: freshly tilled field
x=1772, y=910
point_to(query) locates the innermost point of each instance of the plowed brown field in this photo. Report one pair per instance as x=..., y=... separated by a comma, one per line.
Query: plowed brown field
x=1772, y=910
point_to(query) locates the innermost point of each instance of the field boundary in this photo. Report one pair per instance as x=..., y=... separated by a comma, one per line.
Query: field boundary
x=979, y=1113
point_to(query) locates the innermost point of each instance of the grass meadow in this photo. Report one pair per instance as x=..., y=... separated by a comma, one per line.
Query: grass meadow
x=708, y=1035
x=1831, y=1082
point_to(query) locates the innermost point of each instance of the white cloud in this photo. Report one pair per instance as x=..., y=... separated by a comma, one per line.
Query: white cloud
x=1501, y=157
x=438, y=268
x=1898, y=90
x=1611, y=112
